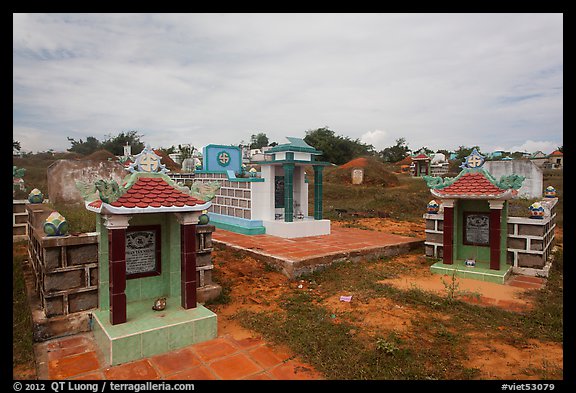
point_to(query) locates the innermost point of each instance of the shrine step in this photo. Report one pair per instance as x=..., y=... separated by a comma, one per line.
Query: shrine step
x=148, y=332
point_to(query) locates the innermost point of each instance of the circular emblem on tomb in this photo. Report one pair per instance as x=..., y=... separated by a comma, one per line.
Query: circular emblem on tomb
x=223, y=158
x=148, y=162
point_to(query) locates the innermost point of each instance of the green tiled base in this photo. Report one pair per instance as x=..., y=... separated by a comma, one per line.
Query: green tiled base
x=148, y=332
x=481, y=271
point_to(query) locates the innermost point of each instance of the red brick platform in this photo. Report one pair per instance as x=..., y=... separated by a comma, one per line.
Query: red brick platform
x=306, y=254
x=223, y=358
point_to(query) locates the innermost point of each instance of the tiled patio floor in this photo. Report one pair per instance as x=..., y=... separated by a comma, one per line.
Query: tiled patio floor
x=223, y=358
x=341, y=242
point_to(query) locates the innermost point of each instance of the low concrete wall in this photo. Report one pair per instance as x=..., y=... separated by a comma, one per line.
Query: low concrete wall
x=19, y=220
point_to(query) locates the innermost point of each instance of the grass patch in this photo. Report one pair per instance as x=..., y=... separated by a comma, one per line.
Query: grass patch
x=407, y=201
x=79, y=218
x=339, y=352
x=22, y=342
x=435, y=347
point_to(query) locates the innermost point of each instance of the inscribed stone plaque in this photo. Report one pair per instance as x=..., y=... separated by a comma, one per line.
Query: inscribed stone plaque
x=357, y=176
x=141, y=252
x=476, y=229
x=279, y=192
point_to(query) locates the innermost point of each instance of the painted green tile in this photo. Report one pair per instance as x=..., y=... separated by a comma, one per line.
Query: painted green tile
x=102, y=341
x=155, y=342
x=126, y=349
x=151, y=287
x=205, y=329
x=175, y=284
x=133, y=290
x=181, y=335
x=104, y=297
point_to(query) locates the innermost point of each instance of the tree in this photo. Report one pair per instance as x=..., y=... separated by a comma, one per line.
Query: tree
x=115, y=145
x=395, y=153
x=463, y=152
x=425, y=150
x=185, y=151
x=258, y=141
x=90, y=146
x=335, y=148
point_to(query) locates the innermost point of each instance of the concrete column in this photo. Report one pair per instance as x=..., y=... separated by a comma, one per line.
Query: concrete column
x=318, y=187
x=188, y=266
x=494, y=233
x=288, y=192
x=188, y=223
x=448, y=238
x=116, y=226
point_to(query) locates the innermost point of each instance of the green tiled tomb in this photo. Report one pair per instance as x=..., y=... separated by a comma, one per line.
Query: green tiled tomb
x=150, y=332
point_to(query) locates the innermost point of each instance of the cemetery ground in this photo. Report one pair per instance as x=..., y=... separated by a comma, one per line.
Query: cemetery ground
x=401, y=322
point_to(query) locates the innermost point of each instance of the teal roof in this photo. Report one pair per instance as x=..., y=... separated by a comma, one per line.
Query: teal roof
x=295, y=144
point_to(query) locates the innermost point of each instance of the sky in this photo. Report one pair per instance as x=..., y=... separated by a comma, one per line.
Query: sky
x=436, y=80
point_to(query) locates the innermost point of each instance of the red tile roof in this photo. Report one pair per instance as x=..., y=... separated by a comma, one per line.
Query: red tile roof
x=556, y=153
x=154, y=192
x=471, y=184
x=97, y=203
x=421, y=156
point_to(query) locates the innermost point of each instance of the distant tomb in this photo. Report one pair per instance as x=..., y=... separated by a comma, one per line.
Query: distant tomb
x=273, y=201
x=357, y=176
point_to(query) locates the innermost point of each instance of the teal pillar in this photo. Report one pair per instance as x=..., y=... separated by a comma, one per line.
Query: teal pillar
x=288, y=192
x=318, y=192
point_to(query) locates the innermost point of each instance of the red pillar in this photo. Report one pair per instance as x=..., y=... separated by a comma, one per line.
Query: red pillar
x=188, y=265
x=117, y=269
x=494, y=228
x=448, y=238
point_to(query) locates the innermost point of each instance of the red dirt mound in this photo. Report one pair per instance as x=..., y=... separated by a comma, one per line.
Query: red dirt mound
x=375, y=173
x=166, y=160
x=360, y=162
x=100, y=155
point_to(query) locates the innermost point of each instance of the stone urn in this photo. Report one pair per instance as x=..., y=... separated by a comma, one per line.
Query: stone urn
x=433, y=207
x=550, y=192
x=35, y=196
x=55, y=225
x=536, y=210
x=203, y=219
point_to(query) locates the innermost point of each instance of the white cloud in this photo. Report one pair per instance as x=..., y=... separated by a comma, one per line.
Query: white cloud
x=530, y=146
x=377, y=138
x=438, y=80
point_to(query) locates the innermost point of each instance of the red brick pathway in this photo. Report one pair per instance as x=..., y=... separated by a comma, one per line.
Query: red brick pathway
x=223, y=358
x=340, y=240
